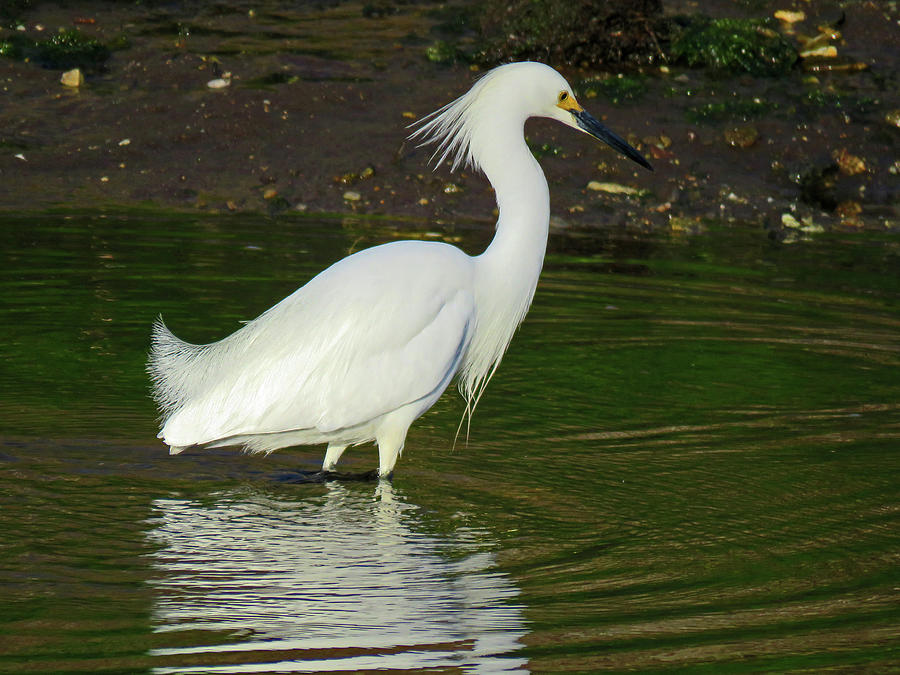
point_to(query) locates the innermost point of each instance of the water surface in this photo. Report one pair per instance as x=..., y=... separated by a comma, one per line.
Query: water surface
x=687, y=461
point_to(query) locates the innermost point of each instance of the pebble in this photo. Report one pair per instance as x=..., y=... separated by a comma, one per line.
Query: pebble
x=835, y=67
x=681, y=223
x=806, y=224
x=819, y=40
x=612, y=188
x=848, y=209
x=352, y=196
x=824, y=52
x=789, y=16
x=742, y=137
x=218, y=83
x=850, y=165
x=789, y=221
x=72, y=78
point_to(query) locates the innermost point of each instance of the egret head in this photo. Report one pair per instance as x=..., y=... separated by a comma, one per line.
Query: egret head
x=503, y=99
x=568, y=111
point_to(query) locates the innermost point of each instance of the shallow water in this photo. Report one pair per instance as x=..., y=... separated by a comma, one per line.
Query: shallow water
x=687, y=461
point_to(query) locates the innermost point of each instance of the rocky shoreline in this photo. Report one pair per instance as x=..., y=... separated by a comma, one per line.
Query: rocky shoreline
x=304, y=111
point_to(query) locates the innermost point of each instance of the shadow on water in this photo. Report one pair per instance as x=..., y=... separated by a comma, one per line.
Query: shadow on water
x=265, y=582
x=326, y=477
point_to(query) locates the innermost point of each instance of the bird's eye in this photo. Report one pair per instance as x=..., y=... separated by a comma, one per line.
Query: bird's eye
x=563, y=96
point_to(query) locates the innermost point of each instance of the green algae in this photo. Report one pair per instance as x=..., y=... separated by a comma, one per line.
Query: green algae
x=441, y=51
x=718, y=111
x=71, y=49
x=572, y=32
x=618, y=89
x=66, y=49
x=734, y=46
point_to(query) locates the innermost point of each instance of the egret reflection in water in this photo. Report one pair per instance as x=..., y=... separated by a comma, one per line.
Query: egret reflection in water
x=340, y=581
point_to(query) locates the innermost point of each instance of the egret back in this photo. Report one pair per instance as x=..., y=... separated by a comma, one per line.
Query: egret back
x=378, y=330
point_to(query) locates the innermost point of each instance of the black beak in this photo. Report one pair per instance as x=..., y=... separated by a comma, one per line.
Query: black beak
x=601, y=132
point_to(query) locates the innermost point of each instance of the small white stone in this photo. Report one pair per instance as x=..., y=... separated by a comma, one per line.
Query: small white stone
x=218, y=83
x=352, y=196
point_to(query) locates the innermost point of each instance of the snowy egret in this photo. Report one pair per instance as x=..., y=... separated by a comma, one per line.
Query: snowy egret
x=371, y=343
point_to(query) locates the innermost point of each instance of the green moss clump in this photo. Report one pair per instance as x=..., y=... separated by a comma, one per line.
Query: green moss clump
x=14, y=46
x=734, y=45
x=582, y=32
x=616, y=89
x=442, y=52
x=71, y=49
x=730, y=110
x=836, y=100
x=65, y=50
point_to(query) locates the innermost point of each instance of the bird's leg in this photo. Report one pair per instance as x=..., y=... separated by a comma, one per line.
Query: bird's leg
x=389, y=450
x=390, y=437
x=332, y=455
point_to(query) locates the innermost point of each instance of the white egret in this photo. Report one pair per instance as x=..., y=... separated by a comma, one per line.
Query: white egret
x=371, y=343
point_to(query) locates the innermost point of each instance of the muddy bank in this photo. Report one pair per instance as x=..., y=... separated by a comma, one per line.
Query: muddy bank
x=309, y=108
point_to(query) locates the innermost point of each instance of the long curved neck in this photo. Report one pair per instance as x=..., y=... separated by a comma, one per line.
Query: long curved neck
x=506, y=274
x=508, y=270
x=523, y=200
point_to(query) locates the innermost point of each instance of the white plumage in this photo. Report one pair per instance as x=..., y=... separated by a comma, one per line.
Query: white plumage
x=368, y=345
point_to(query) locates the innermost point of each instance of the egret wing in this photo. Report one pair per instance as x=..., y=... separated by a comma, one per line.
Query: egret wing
x=378, y=330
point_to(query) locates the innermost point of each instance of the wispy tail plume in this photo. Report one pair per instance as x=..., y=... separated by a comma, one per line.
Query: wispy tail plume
x=172, y=365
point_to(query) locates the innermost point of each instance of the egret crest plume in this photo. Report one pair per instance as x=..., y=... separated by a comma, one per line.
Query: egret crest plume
x=452, y=126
